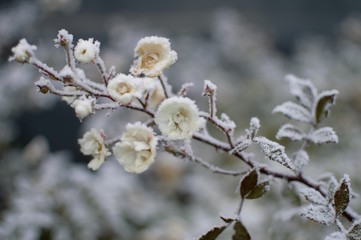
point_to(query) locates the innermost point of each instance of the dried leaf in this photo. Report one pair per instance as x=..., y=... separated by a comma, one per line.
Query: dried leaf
x=294, y=111
x=259, y=190
x=323, y=103
x=323, y=135
x=354, y=233
x=213, y=233
x=290, y=131
x=304, y=90
x=228, y=220
x=248, y=183
x=341, y=197
x=319, y=213
x=274, y=152
x=240, y=232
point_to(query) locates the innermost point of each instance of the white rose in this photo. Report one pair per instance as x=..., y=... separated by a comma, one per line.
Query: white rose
x=22, y=52
x=93, y=144
x=178, y=118
x=137, y=148
x=83, y=107
x=123, y=88
x=153, y=55
x=86, y=51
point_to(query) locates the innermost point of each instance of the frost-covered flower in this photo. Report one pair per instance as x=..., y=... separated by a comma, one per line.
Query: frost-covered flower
x=137, y=148
x=153, y=55
x=69, y=89
x=178, y=118
x=123, y=88
x=86, y=51
x=22, y=52
x=83, y=107
x=93, y=144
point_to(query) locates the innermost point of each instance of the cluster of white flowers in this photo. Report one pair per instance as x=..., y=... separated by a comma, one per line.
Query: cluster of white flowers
x=153, y=55
x=86, y=51
x=93, y=144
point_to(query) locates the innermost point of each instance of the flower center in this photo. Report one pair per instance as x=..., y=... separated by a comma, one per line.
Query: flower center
x=149, y=60
x=123, y=88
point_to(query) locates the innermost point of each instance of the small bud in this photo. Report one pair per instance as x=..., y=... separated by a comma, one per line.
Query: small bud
x=43, y=89
x=83, y=107
x=86, y=51
x=22, y=52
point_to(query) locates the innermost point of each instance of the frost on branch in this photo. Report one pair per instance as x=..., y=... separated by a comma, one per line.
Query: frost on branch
x=304, y=90
x=323, y=135
x=319, y=213
x=338, y=236
x=294, y=111
x=274, y=152
x=290, y=131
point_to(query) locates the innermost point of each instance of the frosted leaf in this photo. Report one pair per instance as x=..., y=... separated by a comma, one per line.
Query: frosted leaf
x=304, y=90
x=319, y=213
x=274, y=151
x=300, y=159
x=354, y=233
x=243, y=145
x=294, y=111
x=313, y=196
x=254, y=126
x=342, y=195
x=323, y=135
x=337, y=236
x=290, y=131
x=323, y=103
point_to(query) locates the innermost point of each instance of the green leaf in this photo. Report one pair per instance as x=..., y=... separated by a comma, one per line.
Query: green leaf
x=323, y=103
x=240, y=232
x=342, y=196
x=248, y=183
x=213, y=233
x=258, y=191
x=354, y=232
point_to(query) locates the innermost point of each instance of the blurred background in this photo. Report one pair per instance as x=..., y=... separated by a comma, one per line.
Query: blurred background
x=244, y=47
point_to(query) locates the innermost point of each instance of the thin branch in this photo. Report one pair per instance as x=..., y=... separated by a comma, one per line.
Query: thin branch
x=162, y=82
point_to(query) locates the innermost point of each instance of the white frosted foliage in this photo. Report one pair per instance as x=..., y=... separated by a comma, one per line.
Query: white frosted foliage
x=323, y=135
x=22, y=52
x=290, y=131
x=274, y=151
x=336, y=236
x=86, y=51
x=303, y=90
x=300, y=159
x=294, y=111
x=313, y=196
x=319, y=213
